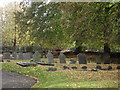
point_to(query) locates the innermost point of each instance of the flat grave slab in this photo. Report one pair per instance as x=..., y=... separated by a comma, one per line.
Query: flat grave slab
x=42, y=63
x=25, y=64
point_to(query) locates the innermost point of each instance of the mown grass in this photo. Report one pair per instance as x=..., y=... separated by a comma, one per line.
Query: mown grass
x=66, y=78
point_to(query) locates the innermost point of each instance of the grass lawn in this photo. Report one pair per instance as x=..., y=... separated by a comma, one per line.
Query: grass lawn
x=66, y=78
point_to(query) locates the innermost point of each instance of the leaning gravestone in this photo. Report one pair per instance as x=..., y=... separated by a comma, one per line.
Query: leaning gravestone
x=26, y=56
x=72, y=61
x=62, y=58
x=50, y=57
x=37, y=57
x=20, y=56
x=6, y=55
x=82, y=58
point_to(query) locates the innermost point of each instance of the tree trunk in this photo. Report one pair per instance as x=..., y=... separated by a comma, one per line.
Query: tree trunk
x=106, y=48
x=14, y=42
x=78, y=50
x=106, y=56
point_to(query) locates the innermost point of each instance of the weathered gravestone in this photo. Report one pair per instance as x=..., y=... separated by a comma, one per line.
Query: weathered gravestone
x=25, y=64
x=50, y=58
x=74, y=67
x=118, y=67
x=84, y=68
x=37, y=57
x=31, y=54
x=8, y=60
x=72, y=61
x=94, y=70
x=82, y=58
x=1, y=59
x=14, y=55
x=62, y=58
x=65, y=67
x=26, y=56
x=20, y=56
x=6, y=55
x=52, y=69
x=109, y=68
x=98, y=60
x=46, y=64
x=98, y=67
x=106, y=58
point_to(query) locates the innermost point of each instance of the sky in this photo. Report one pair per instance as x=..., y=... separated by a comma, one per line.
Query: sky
x=5, y=2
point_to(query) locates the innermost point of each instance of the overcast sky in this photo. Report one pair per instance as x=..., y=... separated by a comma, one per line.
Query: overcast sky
x=5, y=2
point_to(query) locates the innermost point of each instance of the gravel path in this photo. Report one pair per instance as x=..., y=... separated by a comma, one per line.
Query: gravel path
x=15, y=80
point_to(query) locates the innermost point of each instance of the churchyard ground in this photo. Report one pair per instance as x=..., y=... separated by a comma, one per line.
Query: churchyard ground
x=68, y=78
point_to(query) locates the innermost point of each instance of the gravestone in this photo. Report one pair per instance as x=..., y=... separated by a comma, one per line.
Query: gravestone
x=62, y=58
x=20, y=56
x=84, y=67
x=14, y=55
x=109, y=68
x=98, y=67
x=106, y=58
x=1, y=59
x=31, y=54
x=82, y=58
x=37, y=57
x=26, y=56
x=6, y=55
x=46, y=64
x=41, y=53
x=72, y=61
x=51, y=69
x=98, y=60
x=25, y=64
x=65, y=67
x=50, y=58
x=8, y=60
x=74, y=67
x=94, y=70
x=118, y=67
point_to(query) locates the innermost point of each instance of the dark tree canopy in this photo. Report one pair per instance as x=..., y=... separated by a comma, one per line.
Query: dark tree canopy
x=69, y=24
